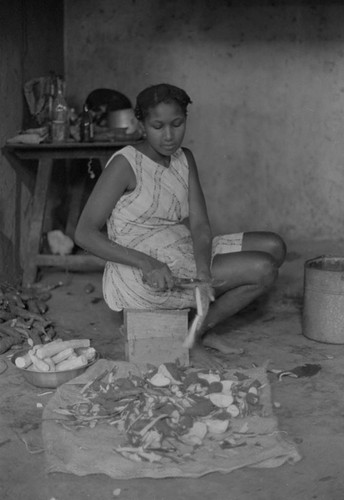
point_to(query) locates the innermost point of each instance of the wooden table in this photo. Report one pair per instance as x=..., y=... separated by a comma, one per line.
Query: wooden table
x=19, y=156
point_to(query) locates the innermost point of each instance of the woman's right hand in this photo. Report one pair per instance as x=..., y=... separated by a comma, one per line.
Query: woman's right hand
x=157, y=274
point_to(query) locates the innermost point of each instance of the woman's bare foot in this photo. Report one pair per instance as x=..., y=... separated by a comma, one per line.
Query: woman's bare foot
x=220, y=344
x=201, y=358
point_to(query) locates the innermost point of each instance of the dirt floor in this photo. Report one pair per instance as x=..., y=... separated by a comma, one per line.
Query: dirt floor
x=310, y=412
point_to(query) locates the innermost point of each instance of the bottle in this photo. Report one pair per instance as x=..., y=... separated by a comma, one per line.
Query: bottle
x=49, y=94
x=59, y=125
x=86, y=125
x=74, y=124
x=73, y=117
x=49, y=98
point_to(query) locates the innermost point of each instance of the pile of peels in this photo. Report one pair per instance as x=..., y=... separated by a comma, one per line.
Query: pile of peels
x=168, y=412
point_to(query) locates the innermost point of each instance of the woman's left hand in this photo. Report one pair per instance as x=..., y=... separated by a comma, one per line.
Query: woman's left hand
x=207, y=296
x=204, y=294
x=206, y=289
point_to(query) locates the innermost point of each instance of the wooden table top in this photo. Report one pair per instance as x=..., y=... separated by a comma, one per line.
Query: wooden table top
x=66, y=149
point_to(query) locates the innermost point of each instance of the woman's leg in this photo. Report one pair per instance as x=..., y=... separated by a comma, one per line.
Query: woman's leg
x=265, y=241
x=244, y=275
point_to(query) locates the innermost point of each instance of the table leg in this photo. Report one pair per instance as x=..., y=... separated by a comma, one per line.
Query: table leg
x=24, y=177
x=36, y=225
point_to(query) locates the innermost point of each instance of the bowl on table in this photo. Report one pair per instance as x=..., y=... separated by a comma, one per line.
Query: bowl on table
x=51, y=379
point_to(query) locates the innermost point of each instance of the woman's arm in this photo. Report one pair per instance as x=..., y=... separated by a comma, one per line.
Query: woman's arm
x=117, y=178
x=199, y=221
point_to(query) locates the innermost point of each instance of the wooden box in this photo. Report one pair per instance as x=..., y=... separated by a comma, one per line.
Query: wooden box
x=156, y=336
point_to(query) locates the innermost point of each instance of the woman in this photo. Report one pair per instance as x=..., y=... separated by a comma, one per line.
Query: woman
x=150, y=197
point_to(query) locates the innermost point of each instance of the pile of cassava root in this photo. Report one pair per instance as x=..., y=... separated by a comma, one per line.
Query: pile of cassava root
x=22, y=316
x=57, y=356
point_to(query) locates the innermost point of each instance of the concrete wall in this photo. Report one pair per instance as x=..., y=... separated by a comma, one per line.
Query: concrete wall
x=11, y=115
x=267, y=83
x=31, y=44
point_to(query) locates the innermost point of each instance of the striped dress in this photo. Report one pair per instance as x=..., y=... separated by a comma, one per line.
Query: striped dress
x=149, y=219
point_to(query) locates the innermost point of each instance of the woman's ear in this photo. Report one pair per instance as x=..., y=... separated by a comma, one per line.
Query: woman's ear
x=142, y=129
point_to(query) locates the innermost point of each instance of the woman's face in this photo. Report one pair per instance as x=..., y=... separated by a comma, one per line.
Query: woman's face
x=165, y=128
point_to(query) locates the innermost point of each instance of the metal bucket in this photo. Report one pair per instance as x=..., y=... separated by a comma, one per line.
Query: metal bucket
x=323, y=307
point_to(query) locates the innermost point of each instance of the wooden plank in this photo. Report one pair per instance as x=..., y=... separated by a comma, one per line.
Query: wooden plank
x=156, y=323
x=72, y=262
x=156, y=336
x=157, y=351
x=38, y=210
x=25, y=175
x=67, y=150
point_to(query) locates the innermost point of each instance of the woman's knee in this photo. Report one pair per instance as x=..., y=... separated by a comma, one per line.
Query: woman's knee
x=265, y=241
x=266, y=270
x=278, y=248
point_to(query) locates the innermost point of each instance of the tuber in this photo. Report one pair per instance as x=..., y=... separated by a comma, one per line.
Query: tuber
x=32, y=306
x=221, y=400
x=41, y=306
x=61, y=356
x=5, y=344
x=8, y=337
x=201, y=408
x=50, y=363
x=49, y=350
x=39, y=364
x=216, y=426
x=90, y=353
x=6, y=329
x=71, y=363
x=35, y=336
x=23, y=361
x=5, y=316
x=233, y=410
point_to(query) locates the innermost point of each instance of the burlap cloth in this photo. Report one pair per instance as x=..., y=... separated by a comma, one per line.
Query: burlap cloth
x=91, y=450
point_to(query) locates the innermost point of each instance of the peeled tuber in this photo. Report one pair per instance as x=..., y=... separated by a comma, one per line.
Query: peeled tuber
x=71, y=363
x=49, y=350
x=61, y=356
x=23, y=361
x=39, y=364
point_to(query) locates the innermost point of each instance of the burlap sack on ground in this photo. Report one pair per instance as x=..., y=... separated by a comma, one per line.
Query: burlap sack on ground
x=91, y=450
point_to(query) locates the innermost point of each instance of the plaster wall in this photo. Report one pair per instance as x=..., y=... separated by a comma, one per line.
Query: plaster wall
x=11, y=115
x=266, y=80
x=31, y=44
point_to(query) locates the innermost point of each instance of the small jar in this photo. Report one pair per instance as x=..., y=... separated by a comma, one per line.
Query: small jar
x=86, y=125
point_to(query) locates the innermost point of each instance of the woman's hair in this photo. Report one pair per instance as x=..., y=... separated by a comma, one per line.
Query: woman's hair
x=156, y=94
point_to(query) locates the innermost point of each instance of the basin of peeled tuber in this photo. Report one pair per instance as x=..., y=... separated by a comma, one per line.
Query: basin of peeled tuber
x=51, y=379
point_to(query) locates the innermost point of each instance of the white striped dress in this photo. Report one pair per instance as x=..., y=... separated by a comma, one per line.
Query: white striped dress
x=149, y=219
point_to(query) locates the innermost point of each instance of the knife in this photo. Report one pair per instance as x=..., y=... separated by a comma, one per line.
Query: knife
x=193, y=282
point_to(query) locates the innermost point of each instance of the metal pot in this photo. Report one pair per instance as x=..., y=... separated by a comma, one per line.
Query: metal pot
x=121, y=118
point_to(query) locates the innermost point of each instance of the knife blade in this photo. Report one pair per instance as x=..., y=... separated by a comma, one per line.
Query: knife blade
x=193, y=282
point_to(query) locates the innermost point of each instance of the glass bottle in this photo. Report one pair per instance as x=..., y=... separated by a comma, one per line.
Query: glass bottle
x=49, y=98
x=59, y=125
x=86, y=125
